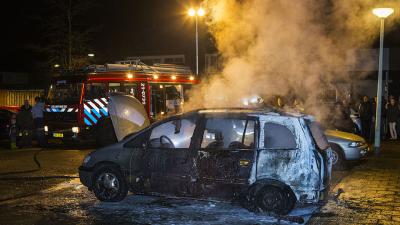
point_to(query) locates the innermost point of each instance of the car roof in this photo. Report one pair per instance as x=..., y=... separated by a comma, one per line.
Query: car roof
x=272, y=111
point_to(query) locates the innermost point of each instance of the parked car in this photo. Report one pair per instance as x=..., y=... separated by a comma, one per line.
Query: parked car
x=268, y=161
x=346, y=147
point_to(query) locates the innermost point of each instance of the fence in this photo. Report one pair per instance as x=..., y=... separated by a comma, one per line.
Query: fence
x=17, y=97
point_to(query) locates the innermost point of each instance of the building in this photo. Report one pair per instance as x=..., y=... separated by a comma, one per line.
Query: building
x=153, y=59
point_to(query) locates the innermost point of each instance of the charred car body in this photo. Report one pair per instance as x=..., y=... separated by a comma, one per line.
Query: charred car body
x=268, y=161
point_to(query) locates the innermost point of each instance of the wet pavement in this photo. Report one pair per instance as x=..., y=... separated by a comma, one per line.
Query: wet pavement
x=370, y=193
x=70, y=203
x=50, y=195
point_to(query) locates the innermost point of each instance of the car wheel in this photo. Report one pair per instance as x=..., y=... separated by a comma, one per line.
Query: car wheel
x=109, y=185
x=337, y=158
x=272, y=199
x=104, y=133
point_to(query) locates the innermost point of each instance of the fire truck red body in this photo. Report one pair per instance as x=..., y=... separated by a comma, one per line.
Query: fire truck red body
x=76, y=104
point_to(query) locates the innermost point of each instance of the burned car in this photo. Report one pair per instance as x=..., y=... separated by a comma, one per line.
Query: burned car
x=269, y=161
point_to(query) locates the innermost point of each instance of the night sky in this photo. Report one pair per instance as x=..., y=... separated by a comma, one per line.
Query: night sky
x=124, y=28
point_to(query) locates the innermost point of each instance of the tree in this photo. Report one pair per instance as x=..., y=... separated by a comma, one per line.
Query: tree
x=66, y=34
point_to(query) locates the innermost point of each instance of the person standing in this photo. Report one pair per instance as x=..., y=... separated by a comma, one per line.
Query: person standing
x=177, y=103
x=13, y=131
x=365, y=112
x=38, y=121
x=25, y=125
x=341, y=118
x=392, y=114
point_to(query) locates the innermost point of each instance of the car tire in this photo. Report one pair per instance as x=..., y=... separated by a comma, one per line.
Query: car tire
x=272, y=199
x=338, y=162
x=104, y=132
x=108, y=184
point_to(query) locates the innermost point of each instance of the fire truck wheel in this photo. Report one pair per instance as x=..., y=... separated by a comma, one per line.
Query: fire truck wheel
x=104, y=133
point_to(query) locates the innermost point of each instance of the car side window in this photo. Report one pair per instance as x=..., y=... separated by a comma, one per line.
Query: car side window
x=278, y=137
x=229, y=134
x=173, y=134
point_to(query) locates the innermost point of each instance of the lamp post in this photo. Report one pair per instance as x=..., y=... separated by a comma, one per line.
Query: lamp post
x=196, y=13
x=381, y=13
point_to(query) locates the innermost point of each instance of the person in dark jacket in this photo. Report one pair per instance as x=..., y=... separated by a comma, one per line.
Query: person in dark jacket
x=365, y=111
x=392, y=114
x=341, y=117
x=25, y=125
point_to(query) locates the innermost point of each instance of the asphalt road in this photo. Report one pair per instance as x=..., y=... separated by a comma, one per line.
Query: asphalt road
x=50, y=195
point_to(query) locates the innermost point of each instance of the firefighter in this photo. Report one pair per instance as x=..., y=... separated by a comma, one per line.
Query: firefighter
x=37, y=114
x=177, y=103
x=25, y=125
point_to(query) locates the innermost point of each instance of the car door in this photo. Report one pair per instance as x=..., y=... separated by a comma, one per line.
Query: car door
x=169, y=158
x=225, y=155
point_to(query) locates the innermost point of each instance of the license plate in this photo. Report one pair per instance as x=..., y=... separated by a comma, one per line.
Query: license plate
x=58, y=135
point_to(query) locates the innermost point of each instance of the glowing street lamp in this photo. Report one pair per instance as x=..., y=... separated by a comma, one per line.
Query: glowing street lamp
x=90, y=55
x=381, y=13
x=56, y=65
x=197, y=13
x=192, y=12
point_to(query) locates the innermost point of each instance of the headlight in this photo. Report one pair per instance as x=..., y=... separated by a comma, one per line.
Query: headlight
x=355, y=144
x=46, y=129
x=75, y=130
x=86, y=159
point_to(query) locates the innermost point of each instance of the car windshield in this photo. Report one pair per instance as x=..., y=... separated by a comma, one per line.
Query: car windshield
x=64, y=93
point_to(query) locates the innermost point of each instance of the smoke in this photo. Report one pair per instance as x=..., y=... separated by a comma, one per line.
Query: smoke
x=282, y=47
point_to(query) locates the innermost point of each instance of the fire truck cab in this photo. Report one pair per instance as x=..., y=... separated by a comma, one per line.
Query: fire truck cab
x=76, y=104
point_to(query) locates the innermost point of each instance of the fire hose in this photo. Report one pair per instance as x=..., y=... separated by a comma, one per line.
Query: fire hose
x=38, y=168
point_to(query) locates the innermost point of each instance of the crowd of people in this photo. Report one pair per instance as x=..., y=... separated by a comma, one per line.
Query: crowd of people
x=29, y=124
x=340, y=117
x=390, y=117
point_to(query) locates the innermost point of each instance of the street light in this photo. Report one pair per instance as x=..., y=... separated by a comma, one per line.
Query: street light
x=90, y=55
x=381, y=13
x=196, y=13
x=56, y=65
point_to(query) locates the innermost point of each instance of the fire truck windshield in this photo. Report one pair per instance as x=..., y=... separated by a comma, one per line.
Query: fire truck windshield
x=62, y=93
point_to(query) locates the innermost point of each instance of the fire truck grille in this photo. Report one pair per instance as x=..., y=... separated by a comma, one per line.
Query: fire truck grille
x=61, y=116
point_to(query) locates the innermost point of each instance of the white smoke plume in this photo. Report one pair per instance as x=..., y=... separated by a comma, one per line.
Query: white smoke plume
x=281, y=47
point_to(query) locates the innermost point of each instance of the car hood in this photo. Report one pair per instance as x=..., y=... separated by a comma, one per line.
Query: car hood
x=344, y=135
x=108, y=153
x=127, y=114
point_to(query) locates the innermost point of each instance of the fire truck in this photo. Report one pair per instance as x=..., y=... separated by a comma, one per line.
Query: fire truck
x=76, y=104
